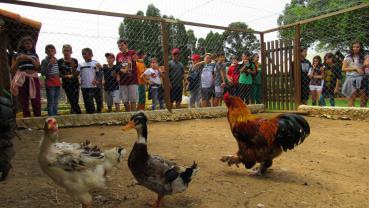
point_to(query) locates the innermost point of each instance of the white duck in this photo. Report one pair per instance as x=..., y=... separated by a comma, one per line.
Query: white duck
x=75, y=167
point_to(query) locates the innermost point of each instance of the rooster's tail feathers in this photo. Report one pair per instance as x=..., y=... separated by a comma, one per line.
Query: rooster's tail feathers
x=292, y=130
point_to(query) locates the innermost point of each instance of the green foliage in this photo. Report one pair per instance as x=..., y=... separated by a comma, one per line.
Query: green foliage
x=146, y=35
x=238, y=42
x=331, y=33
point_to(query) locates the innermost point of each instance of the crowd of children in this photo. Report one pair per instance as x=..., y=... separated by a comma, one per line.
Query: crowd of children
x=323, y=77
x=124, y=78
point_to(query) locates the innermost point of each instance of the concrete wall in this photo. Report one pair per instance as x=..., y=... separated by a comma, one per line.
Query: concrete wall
x=343, y=113
x=120, y=118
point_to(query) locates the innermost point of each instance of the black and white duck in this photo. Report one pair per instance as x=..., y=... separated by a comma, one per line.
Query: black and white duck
x=161, y=176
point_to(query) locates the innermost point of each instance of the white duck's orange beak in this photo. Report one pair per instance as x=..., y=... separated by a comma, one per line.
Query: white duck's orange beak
x=128, y=126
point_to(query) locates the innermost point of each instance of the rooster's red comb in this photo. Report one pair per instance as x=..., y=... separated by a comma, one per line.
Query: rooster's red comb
x=226, y=96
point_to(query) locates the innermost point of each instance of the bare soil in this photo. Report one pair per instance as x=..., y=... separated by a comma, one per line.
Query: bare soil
x=330, y=169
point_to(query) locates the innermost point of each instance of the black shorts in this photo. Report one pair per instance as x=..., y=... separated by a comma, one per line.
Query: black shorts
x=176, y=94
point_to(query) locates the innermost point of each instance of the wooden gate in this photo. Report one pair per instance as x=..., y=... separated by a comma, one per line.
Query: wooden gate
x=279, y=93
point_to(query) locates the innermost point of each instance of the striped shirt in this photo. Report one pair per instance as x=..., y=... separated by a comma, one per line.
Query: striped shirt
x=26, y=64
x=48, y=69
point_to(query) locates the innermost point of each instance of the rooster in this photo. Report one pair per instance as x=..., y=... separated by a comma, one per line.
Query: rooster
x=78, y=168
x=8, y=126
x=261, y=140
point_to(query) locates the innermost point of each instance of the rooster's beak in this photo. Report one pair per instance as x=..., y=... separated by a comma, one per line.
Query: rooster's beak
x=128, y=126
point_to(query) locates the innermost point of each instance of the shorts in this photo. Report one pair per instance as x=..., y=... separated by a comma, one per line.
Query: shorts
x=112, y=97
x=176, y=94
x=315, y=87
x=219, y=91
x=128, y=93
x=206, y=93
x=141, y=94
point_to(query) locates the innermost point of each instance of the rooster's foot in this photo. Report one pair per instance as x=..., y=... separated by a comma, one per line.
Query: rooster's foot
x=231, y=160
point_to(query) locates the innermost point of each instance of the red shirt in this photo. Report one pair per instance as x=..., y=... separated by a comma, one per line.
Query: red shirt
x=53, y=81
x=130, y=77
x=234, y=73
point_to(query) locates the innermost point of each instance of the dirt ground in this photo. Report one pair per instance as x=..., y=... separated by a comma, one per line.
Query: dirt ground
x=330, y=169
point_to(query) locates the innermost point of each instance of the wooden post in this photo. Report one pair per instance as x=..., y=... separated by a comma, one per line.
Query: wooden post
x=166, y=81
x=263, y=70
x=297, y=66
x=4, y=65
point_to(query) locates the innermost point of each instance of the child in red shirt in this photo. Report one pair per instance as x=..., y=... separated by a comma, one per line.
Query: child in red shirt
x=233, y=75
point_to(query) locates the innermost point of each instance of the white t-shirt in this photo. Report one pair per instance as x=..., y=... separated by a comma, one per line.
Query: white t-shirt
x=88, y=73
x=207, y=79
x=154, y=76
x=353, y=61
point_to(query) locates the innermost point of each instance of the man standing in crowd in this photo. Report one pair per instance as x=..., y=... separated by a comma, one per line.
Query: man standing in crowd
x=176, y=75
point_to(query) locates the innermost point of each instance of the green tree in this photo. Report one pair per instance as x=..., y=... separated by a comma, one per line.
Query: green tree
x=152, y=34
x=128, y=29
x=237, y=42
x=331, y=33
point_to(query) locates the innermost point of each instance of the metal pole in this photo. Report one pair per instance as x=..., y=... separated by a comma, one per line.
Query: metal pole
x=166, y=81
x=297, y=66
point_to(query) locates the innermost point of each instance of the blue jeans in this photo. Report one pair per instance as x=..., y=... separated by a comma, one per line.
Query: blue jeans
x=195, y=96
x=52, y=94
x=322, y=100
x=156, y=98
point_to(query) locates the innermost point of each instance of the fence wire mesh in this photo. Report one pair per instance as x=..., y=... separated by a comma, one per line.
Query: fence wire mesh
x=88, y=69
x=332, y=51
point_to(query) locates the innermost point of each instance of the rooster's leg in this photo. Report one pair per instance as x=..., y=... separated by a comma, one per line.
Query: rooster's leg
x=158, y=203
x=263, y=167
x=87, y=205
x=56, y=196
x=231, y=160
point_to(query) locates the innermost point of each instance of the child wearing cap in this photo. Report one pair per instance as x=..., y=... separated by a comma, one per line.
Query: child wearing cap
x=176, y=76
x=89, y=81
x=50, y=69
x=111, y=85
x=193, y=78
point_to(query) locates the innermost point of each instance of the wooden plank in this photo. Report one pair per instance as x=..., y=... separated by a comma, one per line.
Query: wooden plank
x=277, y=77
x=286, y=77
x=263, y=70
x=269, y=74
x=297, y=66
x=324, y=16
x=115, y=14
x=166, y=81
x=283, y=81
x=273, y=77
x=291, y=78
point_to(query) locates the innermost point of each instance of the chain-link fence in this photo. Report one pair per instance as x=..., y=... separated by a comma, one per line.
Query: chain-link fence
x=331, y=51
x=158, y=62
x=153, y=63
